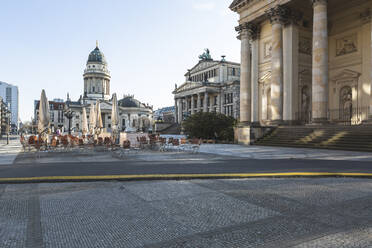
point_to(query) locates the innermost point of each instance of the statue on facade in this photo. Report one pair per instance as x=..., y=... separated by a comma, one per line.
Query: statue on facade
x=206, y=55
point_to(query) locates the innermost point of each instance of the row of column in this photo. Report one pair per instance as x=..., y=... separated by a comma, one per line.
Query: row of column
x=179, y=101
x=284, y=69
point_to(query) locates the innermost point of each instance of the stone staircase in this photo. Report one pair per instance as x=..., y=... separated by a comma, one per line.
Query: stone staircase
x=353, y=138
x=173, y=129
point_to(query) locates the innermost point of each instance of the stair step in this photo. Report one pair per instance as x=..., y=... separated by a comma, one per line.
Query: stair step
x=355, y=138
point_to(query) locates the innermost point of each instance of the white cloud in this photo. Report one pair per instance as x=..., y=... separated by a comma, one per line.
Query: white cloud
x=204, y=6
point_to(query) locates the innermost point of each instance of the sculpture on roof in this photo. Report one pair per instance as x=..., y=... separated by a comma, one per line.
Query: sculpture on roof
x=206, y=55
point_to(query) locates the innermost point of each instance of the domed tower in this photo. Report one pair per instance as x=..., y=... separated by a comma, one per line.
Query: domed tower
x=96, y=77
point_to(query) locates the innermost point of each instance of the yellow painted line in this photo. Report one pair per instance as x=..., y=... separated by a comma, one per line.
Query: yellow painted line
x=185, y=176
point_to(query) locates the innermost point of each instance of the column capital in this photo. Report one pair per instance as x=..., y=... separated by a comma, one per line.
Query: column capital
x=316, y=2
x=365, y=16
x=278, y=14
x=248, y=30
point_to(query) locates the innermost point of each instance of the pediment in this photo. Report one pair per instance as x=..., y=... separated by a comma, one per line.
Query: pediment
x=106, y=105
x=346, y=75
x=203, y=64
x=187, y=86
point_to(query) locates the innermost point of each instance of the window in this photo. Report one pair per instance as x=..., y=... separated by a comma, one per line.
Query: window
x=94, y=89
x=51, y=107
x=109, y=117
x=109, y=125
x=123, y=122
x=215, y=100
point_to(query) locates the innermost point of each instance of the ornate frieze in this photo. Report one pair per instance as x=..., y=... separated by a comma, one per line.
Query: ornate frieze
x=346, y=45
x=305, y=45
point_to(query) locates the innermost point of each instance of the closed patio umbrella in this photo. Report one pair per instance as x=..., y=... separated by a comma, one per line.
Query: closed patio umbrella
x=84, y=122
x=92, y=119
x=115, y=117
x=99, y=123
x=44, y=115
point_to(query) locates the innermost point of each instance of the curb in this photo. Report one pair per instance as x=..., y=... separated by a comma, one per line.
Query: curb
x=58, y=179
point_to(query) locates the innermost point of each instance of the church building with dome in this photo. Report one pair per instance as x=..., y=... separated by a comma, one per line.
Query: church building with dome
x=133, y=114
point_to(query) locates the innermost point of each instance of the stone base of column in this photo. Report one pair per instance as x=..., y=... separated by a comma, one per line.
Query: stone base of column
x=242, y=135
x=247, y=134
x=368, y=121
x=320, y=121
x=275, y=122
x=255, y=124
x=291, y=123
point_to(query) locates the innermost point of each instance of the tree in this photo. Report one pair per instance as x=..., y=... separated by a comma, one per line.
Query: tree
x=210, y=125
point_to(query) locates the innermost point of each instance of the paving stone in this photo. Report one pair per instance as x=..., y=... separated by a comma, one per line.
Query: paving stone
x=319, y=212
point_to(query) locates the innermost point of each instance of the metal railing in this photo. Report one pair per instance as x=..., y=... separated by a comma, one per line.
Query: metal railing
x=346, y=116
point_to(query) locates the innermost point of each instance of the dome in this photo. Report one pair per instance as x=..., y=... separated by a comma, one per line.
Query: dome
x=129, y=102
x=96, y=56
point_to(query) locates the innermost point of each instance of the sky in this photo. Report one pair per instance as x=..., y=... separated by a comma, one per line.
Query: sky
x=148, y=44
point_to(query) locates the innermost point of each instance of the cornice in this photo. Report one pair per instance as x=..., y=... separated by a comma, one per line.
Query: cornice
x=238, y=4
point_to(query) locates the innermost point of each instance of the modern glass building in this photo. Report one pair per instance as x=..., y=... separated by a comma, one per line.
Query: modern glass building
x=9, y=93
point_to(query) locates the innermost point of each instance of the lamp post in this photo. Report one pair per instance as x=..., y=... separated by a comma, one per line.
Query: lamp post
x=8, y=127
x=69, y=114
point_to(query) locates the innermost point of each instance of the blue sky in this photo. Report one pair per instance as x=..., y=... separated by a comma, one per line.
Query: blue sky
x=149, y=44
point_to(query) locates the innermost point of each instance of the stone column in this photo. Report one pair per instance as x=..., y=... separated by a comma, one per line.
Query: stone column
x=219, y=108
x=320, y=62
x=198, y=103
x=245, y=73
x=276, y=17
x=255, y=71
x=290, y=70
x=368, y=18
x=205, y=103
x=180, y=110
x=192, y=105
x=176, y=110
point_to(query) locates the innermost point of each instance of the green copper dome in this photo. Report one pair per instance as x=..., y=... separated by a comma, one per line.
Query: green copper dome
x=96, y=56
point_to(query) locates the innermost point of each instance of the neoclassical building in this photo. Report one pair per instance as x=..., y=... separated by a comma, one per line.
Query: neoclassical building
x=304, y=62
x=211, y=85
x=133, y=114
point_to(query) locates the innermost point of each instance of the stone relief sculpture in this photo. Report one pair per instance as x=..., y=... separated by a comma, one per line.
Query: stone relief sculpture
x=346, y=45
x=267, y=50
x=305, y=45
x=305, y=104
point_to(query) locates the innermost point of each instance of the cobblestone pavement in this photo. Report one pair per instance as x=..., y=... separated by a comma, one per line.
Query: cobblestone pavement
x=9, y=152
x=267, y=152
x=318, y=212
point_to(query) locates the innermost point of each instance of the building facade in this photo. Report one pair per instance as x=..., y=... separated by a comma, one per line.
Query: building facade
x=304, y=62
x=9, y=93
x=5, y=117
x=133, y=114
x=56, y=109
x=210, y=86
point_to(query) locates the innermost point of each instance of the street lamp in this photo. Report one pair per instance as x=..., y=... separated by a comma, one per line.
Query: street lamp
x=8, y=127
x=69, y=114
